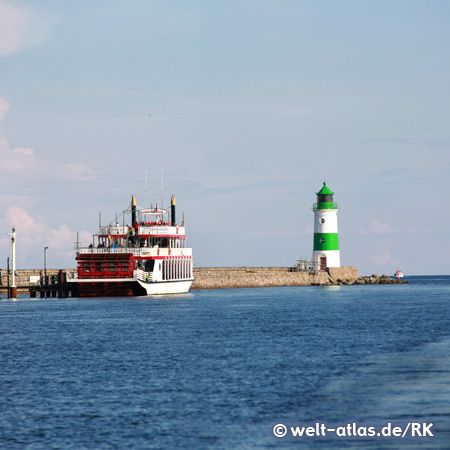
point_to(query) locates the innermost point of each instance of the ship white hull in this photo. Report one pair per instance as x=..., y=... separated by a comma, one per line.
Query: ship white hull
x=166, y=287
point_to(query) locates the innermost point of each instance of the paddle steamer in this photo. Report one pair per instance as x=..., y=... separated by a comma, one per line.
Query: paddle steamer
x=146, y=256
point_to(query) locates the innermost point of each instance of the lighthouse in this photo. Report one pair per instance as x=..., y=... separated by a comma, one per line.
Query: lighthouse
x=326, y=245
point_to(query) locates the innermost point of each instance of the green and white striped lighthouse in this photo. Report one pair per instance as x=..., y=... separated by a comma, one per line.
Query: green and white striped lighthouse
x=326, y=244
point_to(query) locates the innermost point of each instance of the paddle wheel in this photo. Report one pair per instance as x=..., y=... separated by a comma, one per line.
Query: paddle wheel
x=116, y=269
x=105, y=265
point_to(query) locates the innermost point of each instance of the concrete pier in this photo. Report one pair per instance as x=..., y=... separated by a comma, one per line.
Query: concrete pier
x=31, y=282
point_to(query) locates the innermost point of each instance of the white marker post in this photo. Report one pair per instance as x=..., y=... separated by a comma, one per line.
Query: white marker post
x=13, y=258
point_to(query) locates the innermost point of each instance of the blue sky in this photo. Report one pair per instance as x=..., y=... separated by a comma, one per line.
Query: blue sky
x=246, y=107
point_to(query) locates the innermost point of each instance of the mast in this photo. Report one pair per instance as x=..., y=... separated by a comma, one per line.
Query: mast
x=13, y=258
x=162, y=188
x=145, y=190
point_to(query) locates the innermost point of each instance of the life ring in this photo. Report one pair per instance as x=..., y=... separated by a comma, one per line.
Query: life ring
x=169, y=251
x=177, y=230
x=158, y=250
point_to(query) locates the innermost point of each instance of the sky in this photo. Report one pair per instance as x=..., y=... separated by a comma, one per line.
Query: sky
x=243, y=109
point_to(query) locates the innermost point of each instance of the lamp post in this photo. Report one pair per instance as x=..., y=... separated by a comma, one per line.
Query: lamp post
x=45, y=265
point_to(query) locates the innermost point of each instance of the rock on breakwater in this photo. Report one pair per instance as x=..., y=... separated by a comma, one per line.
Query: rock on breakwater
x=375, y=279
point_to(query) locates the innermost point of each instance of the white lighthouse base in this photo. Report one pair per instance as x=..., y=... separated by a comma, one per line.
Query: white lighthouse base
x=326, y=258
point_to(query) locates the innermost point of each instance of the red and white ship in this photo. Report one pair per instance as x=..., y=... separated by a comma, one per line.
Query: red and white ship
x=148, y=257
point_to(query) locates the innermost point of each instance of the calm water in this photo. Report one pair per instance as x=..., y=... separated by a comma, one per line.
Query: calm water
x=219, y=369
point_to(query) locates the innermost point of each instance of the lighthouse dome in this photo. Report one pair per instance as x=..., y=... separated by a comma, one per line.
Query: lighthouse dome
x=325, y=195
x=325, y=198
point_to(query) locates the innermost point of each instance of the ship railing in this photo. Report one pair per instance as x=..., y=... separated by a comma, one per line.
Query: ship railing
x=155, y=230
x=136, y=251
x=144, y=276
x=329, y=205
x=161, y=230
x=113, y=231
x=306, y=265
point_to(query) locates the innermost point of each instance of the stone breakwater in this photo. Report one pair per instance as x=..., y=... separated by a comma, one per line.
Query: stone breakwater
x=251, y=277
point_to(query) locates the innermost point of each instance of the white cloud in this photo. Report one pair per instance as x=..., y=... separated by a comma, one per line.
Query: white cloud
x=16, y=161
x=18, y=166
x=20, y=27
x=33, y=234
x=412, y=229
x=383, y=258
x=433, y=142
x=78, y=172
x=376, y=226
x=4, y=106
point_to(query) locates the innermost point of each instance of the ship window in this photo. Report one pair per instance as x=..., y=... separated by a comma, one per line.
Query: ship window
x=149, y=265
x=322, y=240
x=322, y=220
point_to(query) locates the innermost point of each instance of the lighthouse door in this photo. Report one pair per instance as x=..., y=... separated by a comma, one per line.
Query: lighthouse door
x=323, y=262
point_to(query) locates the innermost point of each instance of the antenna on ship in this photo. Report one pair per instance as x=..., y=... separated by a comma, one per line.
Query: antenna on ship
x=145, y=189
x=162, y=186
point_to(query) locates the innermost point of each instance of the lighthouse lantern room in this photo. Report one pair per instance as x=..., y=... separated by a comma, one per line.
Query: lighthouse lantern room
x=326, y=244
